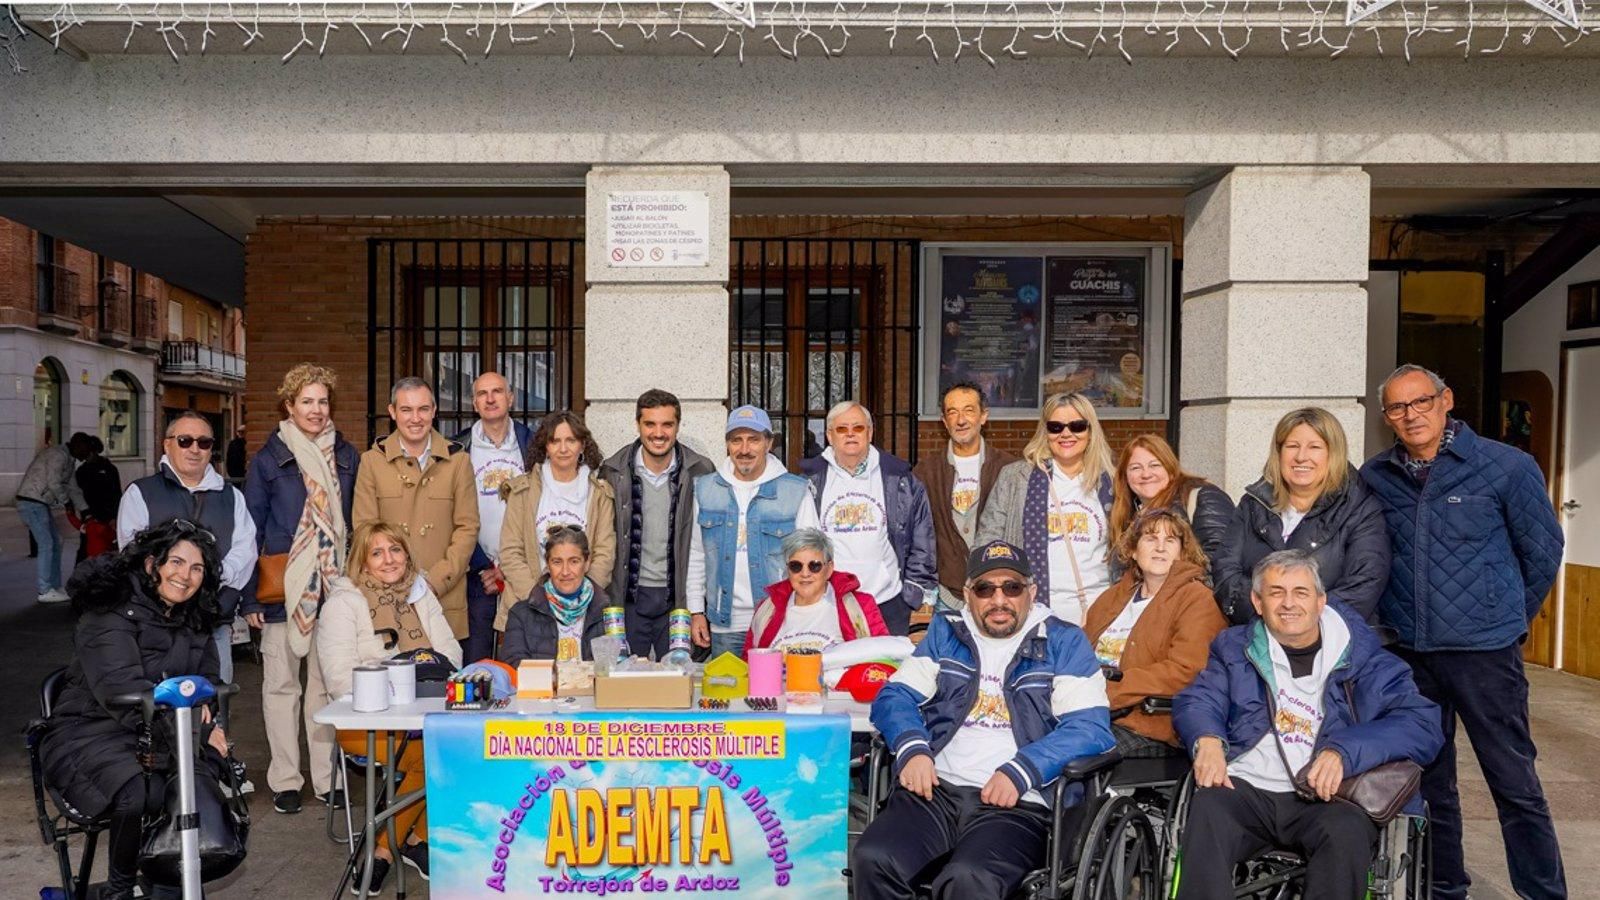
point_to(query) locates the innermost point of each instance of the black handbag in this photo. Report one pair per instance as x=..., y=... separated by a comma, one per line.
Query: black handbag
x=224, y=822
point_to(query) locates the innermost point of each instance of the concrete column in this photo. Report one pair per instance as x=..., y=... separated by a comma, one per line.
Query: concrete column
x=1274, y=311
x=656, y=327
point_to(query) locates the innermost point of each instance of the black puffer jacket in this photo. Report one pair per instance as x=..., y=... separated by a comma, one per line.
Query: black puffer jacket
x=1345, y=531
x=125, y=642
x=532, y=632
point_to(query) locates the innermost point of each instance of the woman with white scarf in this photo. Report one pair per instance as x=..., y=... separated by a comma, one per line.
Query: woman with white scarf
x=298, y=489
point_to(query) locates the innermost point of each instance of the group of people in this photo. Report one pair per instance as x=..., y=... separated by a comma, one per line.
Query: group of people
x=1065, y=587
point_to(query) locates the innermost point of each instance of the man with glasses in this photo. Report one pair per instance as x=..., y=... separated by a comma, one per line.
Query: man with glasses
x=1476, y=546
x=963, y=475
x=877, y=513
x=185, y=486
x=974, y=756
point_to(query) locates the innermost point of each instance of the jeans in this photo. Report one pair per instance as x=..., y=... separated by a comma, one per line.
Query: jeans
x=1488, y=691
x=1229, y=825
x=41, y=524
x=896, y=615
x=480, y=621
x=727, y=642
x=989, y=850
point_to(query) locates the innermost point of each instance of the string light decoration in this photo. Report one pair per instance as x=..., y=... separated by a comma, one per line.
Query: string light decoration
x=945, y=31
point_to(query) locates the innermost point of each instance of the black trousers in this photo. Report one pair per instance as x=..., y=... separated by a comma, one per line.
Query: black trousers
x=481, y=607
x=896, y=616
x=1488, y=691
x=647, y=630
x=986, y=850
x=1229, y=825
x=140, y=797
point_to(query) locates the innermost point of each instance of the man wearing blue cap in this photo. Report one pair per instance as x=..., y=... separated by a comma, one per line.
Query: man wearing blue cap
x=742, y=512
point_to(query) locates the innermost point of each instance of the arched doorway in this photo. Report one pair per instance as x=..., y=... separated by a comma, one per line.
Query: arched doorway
x=49, y=399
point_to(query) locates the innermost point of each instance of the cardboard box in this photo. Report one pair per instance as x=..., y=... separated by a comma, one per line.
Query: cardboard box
x=644, y=690
x=536, y=679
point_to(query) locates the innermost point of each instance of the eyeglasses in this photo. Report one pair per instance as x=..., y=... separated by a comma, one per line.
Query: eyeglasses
x=1076, y=426
x=188, y=440
x=796, y=565
x=1421, y=405
x=843, y=430
x=983, y=590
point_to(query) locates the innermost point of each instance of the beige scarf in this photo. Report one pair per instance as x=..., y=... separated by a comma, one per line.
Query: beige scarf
x=391, y=608
x=317, y=553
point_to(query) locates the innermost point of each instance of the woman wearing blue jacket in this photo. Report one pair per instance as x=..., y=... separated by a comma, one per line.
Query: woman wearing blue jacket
x=299, y=489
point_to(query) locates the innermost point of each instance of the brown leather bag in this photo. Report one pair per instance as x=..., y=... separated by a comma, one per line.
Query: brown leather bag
x=270, y=568
x=1381, y=792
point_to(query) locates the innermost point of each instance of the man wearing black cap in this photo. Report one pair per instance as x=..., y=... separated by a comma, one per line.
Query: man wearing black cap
x=1001, y=680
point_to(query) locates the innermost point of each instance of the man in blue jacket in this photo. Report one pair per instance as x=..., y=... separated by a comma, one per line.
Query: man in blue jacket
x=877, y=514
x=1476, y=548
x=1286, y=709
x=998, y=699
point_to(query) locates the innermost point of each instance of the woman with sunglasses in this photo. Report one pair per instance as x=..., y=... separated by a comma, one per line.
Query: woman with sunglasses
x=1055, y=503
x=562, y=617
x=1152, y=630
x=1149, y=477
x=1308, y=498
x=816, y=607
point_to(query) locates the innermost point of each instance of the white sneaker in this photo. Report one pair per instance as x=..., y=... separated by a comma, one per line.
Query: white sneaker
x=54, y=595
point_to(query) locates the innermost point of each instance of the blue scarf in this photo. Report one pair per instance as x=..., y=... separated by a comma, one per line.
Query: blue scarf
x=569, y=608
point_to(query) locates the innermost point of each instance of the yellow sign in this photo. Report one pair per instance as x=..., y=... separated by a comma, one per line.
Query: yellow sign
x=633, y=740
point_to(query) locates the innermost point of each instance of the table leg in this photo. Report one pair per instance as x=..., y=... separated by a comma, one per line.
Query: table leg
x=391, y=826
x=368, y=831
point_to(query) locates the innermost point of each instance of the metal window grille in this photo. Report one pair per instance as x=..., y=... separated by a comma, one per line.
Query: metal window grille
x=817, y=321
x=450, y=309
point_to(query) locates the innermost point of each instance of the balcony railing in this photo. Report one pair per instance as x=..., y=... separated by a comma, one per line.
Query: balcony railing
x=57, y=300
x=194, y=358
x=144, y=317
x=115, y=314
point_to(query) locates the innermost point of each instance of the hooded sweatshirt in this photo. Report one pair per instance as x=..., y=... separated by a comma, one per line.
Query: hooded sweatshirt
x=744, y=594
x=856, y=516
x=1299, y=706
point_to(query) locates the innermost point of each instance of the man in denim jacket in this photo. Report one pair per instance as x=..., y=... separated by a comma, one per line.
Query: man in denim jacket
x=742, y=512
x=998, y=699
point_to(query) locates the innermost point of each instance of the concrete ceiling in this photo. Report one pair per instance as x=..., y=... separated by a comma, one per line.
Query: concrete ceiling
x=192, y=232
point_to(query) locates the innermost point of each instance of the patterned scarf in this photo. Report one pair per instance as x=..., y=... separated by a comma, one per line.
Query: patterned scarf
x=317, y=553
x=392, y=610
x=569, y=609
x=1419, y=469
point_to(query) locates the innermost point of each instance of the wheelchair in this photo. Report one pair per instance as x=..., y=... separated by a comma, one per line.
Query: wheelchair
x=59, y=821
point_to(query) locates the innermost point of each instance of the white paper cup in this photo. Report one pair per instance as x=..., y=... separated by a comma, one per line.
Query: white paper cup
x=402, y=681
x=370, y=689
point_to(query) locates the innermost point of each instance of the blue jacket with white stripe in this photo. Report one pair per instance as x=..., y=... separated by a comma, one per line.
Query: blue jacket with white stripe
x=1052, y=687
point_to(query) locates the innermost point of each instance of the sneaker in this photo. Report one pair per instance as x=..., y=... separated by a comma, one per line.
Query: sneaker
x=380, y=873
x=286, y=802
x=54, y=595
x=416, y=856
x=333, y=798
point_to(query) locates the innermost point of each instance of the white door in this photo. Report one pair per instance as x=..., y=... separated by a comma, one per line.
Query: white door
x=1579, y=504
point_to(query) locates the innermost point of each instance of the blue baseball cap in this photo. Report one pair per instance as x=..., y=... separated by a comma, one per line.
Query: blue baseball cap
x=752, y=417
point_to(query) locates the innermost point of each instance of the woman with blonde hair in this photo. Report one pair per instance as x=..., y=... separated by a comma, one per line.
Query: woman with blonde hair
x=1055, y=503
x=1308, y=498
x=381, y=609
x=298, y=489
x=1149, y=477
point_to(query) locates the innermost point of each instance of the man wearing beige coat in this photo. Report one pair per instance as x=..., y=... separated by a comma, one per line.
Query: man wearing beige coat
x=420, y=482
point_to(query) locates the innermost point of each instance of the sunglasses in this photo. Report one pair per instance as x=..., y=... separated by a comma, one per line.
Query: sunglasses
x=842, y=430
x=188, y=440
x=983, y=590
x=1076, y=426
x=796, y=565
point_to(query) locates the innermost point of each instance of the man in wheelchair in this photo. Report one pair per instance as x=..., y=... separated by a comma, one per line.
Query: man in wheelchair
x=1288, y=708
x=1000, y=681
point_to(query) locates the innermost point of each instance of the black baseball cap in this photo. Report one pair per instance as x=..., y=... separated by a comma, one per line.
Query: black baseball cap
x=997, y=555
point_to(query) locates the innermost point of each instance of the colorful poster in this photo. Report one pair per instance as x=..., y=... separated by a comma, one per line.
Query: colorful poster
x=1095, y=340
x=989, y=326
x=654, y=803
